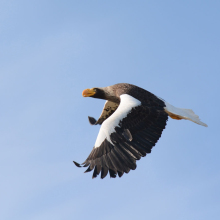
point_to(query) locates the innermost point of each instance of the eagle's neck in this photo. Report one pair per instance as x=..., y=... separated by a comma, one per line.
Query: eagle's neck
x=110, y=94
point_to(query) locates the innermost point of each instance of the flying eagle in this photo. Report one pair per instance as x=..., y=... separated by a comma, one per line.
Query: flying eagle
x=131, y=122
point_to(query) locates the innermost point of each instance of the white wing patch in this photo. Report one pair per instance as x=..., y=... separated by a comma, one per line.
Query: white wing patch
x=108, y=126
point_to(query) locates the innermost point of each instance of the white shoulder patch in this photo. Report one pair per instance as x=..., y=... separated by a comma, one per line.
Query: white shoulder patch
x=108, y=126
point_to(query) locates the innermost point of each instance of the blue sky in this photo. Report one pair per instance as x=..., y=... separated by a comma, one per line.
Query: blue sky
x=51, y=51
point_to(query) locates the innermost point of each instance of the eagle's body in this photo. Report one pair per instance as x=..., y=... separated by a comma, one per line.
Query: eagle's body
x=132, y=121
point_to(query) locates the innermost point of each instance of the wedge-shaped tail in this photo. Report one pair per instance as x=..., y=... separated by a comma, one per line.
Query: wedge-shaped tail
x=182, y=113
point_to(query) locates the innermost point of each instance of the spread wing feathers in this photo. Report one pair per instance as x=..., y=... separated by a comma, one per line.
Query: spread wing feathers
x=107, y=111
x=133, y=137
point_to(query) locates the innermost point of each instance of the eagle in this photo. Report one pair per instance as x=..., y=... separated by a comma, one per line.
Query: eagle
x=132, y=122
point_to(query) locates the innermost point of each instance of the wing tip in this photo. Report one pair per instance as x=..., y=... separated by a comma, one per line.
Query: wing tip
x=77, y=164
x=92, y=120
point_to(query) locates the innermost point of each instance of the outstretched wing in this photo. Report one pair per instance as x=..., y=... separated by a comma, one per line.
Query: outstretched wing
x=126, y=136
x=107, y=111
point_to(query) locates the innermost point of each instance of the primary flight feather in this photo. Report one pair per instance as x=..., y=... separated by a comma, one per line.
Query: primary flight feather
x=131, y=122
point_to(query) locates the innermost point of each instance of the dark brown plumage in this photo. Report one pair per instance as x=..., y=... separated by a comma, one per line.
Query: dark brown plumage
x=131, y=122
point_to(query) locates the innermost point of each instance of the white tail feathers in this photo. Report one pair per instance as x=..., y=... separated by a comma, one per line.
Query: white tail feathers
x=182, y=113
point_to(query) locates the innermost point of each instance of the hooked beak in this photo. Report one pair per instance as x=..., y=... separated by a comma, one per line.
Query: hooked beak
x=88, y=92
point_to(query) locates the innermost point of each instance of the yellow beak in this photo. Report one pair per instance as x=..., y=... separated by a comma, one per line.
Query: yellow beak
x=88, y=92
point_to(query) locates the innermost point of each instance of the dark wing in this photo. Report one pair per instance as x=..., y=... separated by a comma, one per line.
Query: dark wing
x=107, y=111
x=126, y=136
